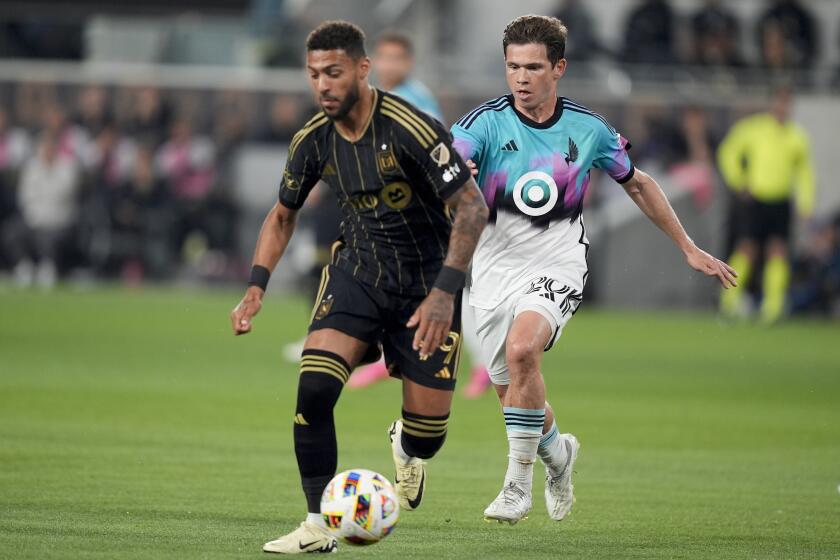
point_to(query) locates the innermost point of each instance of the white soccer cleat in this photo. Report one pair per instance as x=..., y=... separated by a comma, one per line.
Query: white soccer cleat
x=410, y=476
x=306, y=538
x=511, y=505
x=559, y=492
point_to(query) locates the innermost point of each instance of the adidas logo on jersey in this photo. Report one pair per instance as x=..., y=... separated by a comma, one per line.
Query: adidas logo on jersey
x=510, y=147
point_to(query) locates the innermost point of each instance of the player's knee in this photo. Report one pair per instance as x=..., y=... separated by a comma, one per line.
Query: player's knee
x=749, y=248
x=776, y=249
x=322, y=376
x=423, y=436
x=523, y=356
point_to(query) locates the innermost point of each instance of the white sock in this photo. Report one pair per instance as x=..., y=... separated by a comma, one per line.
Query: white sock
x=316, y=519
x=524, y=429
x=552, y=451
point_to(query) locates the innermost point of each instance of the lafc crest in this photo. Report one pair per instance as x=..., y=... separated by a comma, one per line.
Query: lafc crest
x=324, y=307
x=386, y=160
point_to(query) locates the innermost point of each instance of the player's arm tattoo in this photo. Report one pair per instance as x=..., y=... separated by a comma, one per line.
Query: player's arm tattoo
x=470, y=218
x=434, y=316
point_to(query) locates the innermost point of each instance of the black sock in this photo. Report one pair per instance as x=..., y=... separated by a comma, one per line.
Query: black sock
x=423, y=436
x=322, y=376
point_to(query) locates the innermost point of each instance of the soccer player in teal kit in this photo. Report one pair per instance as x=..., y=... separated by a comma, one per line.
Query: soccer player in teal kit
x=533, y=152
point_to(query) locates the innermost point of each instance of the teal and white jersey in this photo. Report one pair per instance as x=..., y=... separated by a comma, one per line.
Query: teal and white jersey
x=534, y=177
x=416, y=93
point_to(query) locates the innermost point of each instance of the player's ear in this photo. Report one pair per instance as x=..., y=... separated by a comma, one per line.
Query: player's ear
x=363, y=67
x=559, y=69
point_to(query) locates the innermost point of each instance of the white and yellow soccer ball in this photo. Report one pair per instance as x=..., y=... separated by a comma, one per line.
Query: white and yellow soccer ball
x=360, y=507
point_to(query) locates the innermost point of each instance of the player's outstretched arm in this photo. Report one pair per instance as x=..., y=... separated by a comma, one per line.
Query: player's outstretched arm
x=648, y=196
x=275, y=234
x=433, y=317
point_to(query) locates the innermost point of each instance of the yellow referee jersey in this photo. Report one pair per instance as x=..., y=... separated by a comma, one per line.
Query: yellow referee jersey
x=770, y=159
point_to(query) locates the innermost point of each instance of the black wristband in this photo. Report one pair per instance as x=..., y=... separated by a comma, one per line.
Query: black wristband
x=259, y=277
x=450, y=280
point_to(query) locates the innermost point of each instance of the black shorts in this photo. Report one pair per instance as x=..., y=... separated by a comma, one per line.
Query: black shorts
x=762, y=220
x=379, y=318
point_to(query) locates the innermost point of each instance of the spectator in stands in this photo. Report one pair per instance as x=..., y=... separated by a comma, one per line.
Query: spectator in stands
x=649, y=34
x=92, y=112
x=186, y=163
x=715, y=33
x=109, y=157
x=107, y=162
x=140, y=221
x=71, y=140
x=278, y=28
x=150, y=117
x=47, y=197
x=231, y=115
x=766, y=160
x=582, y=45
x=14, y=149
x=285, y=118
x=688, y=148
x=816, y=277
x=393, y=62
x=787, y=35
x=30, y=98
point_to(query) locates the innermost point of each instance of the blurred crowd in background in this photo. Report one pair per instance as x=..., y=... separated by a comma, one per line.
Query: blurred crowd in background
x=785, y=36
x=127, y=182
x=137, y=183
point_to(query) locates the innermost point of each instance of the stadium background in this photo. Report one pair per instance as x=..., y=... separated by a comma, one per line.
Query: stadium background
x=131, y=422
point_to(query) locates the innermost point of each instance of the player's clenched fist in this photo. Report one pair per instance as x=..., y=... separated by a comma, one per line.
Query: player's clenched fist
x=240, y=317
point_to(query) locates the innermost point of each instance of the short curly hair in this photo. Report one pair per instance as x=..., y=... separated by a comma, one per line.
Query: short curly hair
x=542, y=30
x=335, y=35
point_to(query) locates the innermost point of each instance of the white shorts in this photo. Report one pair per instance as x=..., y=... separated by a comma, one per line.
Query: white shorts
x=555, y=295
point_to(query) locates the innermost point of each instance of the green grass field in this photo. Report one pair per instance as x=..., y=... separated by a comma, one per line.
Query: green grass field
x=133, y=425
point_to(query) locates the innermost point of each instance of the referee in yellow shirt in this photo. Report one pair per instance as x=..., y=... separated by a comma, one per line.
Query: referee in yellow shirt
x=766, y=160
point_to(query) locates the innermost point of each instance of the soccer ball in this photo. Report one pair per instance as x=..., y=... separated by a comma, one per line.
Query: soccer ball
x=360, y=506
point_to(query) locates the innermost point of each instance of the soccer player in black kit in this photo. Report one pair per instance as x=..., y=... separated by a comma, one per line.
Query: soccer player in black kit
x=396, y=273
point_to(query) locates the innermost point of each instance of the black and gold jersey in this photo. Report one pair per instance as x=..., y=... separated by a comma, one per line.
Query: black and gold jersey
x=391, y=185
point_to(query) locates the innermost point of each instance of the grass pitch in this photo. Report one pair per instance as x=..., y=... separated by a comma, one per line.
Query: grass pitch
x=134, y=425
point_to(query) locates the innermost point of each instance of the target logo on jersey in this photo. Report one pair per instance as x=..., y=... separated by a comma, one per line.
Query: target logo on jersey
x=536, y=193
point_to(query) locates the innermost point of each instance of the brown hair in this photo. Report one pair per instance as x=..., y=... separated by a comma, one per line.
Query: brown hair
x=542, y=30
x=336, y=35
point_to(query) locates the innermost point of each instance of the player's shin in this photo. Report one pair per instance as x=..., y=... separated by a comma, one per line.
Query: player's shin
x=552, y=451
x=776, y=280
x=524, y=430
x=422, y=436
x=731, y=300
x=323, y=375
